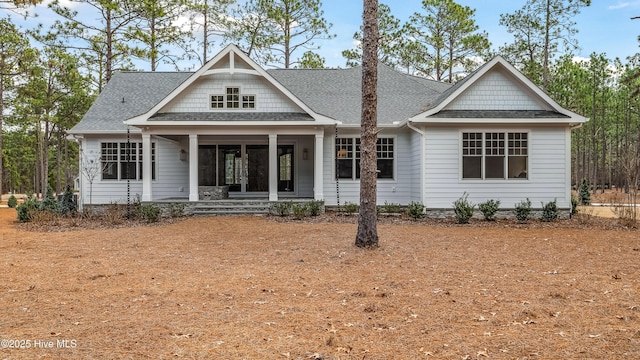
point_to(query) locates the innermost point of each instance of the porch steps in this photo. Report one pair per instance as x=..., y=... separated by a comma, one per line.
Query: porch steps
x=235, y=207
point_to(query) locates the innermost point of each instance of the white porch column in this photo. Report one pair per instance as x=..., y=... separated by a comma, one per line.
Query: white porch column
x=318, y=173
x=193, y=167
x=273, y=167
x=146, y=167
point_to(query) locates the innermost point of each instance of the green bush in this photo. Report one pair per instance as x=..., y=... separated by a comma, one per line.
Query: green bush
x=463, y=209
x=50, y=203
x=299, y=211
x=350, y=208
x=281, y=208
x=315, y=207
x=489, y=209
x=584, y=193
x=415, y=210
x=574, y=205
x=27, y=210
x=391, y=208
x=67, y=203
x=150, y=212
x=550, y=211
x=522, y=210
x=12, y=202
x=176, y=210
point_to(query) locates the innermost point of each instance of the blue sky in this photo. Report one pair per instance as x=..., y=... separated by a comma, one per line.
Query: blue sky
x=605, y=26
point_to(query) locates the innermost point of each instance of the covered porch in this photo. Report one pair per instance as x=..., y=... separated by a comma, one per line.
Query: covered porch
x=242, y=163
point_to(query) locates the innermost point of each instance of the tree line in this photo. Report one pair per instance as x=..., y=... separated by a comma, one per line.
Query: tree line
x=49, y=77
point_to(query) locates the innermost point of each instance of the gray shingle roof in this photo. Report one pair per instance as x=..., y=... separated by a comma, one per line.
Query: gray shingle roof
x=499, y=114
x=140, y=91
x=336, y=93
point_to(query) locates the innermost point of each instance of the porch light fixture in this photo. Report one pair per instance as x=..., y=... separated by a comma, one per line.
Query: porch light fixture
x=183, y=155
x=305, y=154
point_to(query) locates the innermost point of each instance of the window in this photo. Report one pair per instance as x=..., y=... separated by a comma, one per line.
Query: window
x=122, y=162
x=217, y=101
x=109, y=157
x=348, y=158
x=494, y=155
x=248, y=101
x=233, y=97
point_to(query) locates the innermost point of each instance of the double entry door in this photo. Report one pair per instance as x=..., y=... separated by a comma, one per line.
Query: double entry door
x=244, y=168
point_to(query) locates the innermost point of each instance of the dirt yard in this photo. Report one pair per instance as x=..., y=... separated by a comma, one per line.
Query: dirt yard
x=263, y=288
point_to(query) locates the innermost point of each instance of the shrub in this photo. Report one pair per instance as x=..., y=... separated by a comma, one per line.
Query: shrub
x=68, y=205
x=150, y=212
x=281, y=208
x=391, y=208
x=115, y=214
x=176, y=210
x=350, y=208
x=12, y=202
x=28, y=209
x=50, y=203
x=550, y=211
x=463, y=209
x=299, y=210
x=522, y=210
x=315, y=207
x=574, y=205
x=489, y=209
x=415, y=210
x=584, y=193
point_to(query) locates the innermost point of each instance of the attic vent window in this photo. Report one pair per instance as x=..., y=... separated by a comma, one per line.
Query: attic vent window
x=233, y=99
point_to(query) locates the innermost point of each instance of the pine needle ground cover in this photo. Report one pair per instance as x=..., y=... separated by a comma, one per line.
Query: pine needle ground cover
x=259, y=288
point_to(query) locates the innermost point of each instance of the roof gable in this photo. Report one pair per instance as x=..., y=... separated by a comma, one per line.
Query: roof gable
x=229, y=63
x=497, y=88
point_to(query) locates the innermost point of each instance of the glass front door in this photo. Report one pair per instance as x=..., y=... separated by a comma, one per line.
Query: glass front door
x=243, y=168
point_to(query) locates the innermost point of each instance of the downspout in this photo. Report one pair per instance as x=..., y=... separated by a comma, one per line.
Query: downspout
x=422, y=159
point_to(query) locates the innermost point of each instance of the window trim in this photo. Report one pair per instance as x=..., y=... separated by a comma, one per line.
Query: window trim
x=120, y=163
x=483, y=178
x=244, y=101
x=355, y=157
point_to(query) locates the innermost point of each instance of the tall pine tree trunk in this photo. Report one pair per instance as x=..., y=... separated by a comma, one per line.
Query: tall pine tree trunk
x=367, y=235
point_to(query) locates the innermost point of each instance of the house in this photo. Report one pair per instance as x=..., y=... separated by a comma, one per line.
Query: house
x=290, y=133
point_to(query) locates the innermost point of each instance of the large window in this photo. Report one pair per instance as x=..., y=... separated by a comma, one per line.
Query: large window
x=121, y=161
x=494, y=155
x=348, y=158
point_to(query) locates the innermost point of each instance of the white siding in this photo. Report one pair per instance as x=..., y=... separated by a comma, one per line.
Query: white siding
x=172, y=175
x=399, y=190
x=547, y=170
x=197, y=97
x=496, y=91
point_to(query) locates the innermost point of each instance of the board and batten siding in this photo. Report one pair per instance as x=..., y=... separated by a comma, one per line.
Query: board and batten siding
x=399, y=190
x=548, y=170
x=172, y=174
x=197, y=97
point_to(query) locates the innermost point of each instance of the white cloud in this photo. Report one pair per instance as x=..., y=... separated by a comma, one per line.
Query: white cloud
x=624, y=4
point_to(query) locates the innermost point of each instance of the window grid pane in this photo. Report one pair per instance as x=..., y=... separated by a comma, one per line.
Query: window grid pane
x=233, y=97
x=384, y=148
x=494, y=144
x=248, y=101
x=217, y=101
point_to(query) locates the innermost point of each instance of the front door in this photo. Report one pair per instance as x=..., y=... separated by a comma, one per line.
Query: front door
x=243, y=168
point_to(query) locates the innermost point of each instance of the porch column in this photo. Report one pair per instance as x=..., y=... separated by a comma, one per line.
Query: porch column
x=193, y=167
x=273, y=167
x=146, y=167
x=318, y=173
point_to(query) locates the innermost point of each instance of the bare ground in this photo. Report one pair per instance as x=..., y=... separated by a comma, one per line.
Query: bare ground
x=262, y=288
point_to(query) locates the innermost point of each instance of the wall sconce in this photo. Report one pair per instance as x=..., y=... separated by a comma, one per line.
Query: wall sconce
x=183, y=155
x=305, y=154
